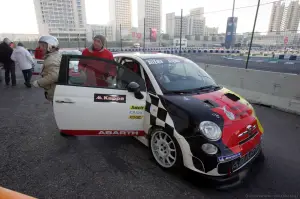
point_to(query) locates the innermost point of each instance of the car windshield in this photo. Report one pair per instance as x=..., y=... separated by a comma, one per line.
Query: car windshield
x=178, y=74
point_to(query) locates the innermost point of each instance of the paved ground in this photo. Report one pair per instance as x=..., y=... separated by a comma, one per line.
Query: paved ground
x=36, y=160
x=218, y=60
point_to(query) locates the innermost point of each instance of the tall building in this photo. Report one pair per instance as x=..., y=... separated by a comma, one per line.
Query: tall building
x=210, y=31
x=192, y=24
x=64, y=19
x=151, y=10
x=284, y=18
x=170, y=24
x=120, y=13
x=291, y=17
x=197, y=21
x=276, y=16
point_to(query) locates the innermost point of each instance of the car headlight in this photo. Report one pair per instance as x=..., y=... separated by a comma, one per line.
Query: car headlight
x=210, y=130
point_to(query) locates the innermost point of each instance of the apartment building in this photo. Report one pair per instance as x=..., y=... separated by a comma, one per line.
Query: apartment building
x=64, y=19
x=192, y=24
x=120, y=14
x=95, y=29
x=151, y=10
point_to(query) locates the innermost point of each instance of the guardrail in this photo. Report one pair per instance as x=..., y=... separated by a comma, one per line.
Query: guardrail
x=278, y=90
x=173, y=50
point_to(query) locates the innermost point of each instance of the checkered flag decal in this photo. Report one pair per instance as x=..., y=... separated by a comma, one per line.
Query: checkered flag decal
x=158, y=114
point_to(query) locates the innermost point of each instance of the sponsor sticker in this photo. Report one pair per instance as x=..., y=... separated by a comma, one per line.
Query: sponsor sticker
x=229, y=157
x=136, y=112
x=109, y=98
x=137, y=107
x=136, y=117
x=154, y=61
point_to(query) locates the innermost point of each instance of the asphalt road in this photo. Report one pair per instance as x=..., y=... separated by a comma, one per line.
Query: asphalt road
x=37, y=161
x=202, y=58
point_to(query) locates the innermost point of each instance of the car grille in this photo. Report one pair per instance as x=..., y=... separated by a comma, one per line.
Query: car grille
x=248, y=138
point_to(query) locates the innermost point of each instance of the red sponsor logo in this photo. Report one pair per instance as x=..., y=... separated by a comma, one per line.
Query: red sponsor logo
x=110, y=98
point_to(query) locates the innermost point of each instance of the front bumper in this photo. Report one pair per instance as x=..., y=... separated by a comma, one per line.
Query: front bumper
x=232, y=178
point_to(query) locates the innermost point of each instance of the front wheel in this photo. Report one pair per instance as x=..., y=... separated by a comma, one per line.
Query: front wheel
x=165, y=150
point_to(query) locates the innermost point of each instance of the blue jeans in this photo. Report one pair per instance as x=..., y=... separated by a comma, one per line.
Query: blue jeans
x=27, y=75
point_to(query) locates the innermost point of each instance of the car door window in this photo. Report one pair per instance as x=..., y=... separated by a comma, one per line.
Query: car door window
x=132, y=65
x=94, y=72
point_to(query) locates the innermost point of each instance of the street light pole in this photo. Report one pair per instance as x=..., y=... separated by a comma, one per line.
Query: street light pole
x=121, y=36
x=105, y=37
x=250, y=46
x=150, y=29
x=144, y=33
x=180, y=31
x=233, y=8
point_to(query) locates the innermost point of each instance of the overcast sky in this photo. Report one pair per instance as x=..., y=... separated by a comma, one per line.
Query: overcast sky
x=18, y=16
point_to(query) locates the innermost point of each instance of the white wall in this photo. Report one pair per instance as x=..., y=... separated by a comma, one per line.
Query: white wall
x=279, y=90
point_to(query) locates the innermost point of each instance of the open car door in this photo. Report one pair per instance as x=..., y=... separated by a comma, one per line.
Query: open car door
x=98, y=97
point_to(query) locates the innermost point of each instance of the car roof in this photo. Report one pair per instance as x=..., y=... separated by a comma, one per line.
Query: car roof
x=143, y=55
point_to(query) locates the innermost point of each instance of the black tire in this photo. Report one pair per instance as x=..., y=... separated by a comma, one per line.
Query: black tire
x=261, y=156
x=178, y=160
x=65, y=135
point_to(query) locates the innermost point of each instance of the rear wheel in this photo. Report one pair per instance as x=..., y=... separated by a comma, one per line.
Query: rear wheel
x=165, y=150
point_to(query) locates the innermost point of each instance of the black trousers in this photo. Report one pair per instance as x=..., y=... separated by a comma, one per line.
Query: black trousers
x=10, y=73
x=27, y=75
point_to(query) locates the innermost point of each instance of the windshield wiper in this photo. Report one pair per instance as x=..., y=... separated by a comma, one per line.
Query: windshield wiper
x=195, y=90
x=180, y=92
x=210, y=87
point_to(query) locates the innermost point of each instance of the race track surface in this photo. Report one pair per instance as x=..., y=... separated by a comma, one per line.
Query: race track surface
x=202, y=58
x=37, y=161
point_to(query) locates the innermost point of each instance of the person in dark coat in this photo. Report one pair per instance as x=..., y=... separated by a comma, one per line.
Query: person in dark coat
x=6, y=51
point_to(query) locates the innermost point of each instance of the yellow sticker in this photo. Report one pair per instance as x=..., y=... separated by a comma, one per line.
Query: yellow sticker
x=135, y=117
x=137, y=107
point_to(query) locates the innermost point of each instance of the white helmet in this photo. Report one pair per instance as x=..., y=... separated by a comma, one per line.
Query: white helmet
x=51, y=41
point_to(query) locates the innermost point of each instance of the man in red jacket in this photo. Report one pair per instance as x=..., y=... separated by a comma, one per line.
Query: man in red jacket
x=99, y=73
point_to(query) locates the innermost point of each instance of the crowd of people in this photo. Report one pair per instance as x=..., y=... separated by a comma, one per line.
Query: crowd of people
x=48, y=50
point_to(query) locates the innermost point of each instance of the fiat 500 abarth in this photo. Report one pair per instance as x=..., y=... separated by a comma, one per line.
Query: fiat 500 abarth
x=167, y=102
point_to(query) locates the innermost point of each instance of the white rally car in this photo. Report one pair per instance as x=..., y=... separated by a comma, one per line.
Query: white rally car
x=167, y=102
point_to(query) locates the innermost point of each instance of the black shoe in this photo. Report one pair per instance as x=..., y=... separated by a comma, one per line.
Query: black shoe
x=28, y=85
x=14, y=84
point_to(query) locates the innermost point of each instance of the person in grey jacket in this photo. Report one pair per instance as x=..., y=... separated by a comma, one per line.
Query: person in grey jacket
x=50, y=47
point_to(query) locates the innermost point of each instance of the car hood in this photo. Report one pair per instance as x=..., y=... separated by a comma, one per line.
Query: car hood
x=227, y=109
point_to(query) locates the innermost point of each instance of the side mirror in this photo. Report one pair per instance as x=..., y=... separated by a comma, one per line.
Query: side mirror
x=134, y=87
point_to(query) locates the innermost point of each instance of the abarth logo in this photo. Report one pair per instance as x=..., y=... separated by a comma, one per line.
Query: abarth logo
x=229, y=114
x=249, y=131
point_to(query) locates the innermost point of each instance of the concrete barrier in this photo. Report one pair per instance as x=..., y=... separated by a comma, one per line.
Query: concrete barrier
x=278, y=90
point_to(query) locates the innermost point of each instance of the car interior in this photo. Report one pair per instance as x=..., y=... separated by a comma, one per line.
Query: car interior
x=136, y=68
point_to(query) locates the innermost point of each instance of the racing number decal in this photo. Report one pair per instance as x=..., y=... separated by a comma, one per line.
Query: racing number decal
x=136, y=112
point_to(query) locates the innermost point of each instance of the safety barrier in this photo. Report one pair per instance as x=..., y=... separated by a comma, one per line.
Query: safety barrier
x=173, y=50
x=278, y=90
